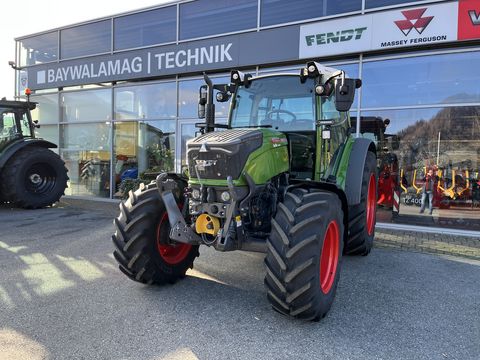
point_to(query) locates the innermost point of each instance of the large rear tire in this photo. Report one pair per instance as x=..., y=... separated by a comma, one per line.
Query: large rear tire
x=142, y=247
x=304, y=253
x=362, y=217
x=34, y=178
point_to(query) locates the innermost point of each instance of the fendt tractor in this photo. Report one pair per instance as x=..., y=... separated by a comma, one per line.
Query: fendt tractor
x=31, y=175
x=287, y=176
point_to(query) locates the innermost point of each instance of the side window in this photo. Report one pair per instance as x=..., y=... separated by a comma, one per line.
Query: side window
x=26, y=131
x=8, y=130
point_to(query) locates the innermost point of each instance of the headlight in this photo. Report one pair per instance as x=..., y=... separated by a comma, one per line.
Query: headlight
x=225, y=196
x=196, y=194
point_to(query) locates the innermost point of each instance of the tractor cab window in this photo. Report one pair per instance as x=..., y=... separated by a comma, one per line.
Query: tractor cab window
x=8, y=127
x=13, y=124
x=282, y=102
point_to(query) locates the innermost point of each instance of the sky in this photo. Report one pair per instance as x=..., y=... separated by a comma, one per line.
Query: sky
x=32, y=16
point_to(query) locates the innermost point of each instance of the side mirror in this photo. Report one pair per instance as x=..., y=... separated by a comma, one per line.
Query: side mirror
x=344, y=93
x=202, y=100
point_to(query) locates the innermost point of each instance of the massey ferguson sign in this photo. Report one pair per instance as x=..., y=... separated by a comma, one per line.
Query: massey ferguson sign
x=391, y=29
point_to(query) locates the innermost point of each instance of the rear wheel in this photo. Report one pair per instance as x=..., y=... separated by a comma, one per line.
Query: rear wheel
x=362, y=217
x=143, y=249
x=304, y=254
x=34, y=178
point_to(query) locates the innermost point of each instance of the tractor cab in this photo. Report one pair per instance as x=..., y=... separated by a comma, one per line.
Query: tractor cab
x=15, y=121
x=288, y=104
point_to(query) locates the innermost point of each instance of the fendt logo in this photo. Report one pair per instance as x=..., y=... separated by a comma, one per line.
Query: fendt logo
x=414, y=20
x=474, y=17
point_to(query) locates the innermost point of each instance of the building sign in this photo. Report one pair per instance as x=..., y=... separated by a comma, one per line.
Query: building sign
x=468, y=19
x=391, y=29
x=414, y=27
x=349, y=35
x=249, y=49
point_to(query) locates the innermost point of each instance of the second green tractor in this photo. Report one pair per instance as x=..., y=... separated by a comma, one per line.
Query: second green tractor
x=286, y=176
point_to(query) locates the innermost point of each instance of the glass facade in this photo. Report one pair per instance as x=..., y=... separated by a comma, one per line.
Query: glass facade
x=284, y=11
x=145, y=28
x=210, y=17
x=85, y=148
x=156, y=101
x=379, y=3
x=89, y=39
x=421, y=110
x=38, y=49
x=422, y=80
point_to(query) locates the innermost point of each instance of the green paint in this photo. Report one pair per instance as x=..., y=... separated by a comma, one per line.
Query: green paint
x=268, y=161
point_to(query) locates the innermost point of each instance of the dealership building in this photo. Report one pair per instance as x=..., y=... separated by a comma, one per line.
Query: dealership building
x=119, y=94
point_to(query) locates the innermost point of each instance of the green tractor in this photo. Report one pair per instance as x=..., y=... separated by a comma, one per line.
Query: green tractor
x=286, y=177
x=31, y=175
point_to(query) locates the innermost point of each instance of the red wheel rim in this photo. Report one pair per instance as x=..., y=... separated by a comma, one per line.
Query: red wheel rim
x=371, y=204
x=171, y=254
x=329, y=257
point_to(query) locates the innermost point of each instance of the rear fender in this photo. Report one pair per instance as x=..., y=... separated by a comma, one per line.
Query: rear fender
x=18, y=145
x=356, y=164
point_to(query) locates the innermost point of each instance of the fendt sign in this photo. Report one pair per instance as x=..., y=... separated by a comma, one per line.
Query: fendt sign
x=390, y=29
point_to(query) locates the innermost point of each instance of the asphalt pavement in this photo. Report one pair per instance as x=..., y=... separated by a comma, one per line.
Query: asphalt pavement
x=62, y=297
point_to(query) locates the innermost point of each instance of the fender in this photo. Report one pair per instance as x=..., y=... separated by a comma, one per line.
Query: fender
x=356, y=163
x=16, y=146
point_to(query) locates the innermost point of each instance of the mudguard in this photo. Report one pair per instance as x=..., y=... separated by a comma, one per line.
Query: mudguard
x=356, y=163
x=16, y=146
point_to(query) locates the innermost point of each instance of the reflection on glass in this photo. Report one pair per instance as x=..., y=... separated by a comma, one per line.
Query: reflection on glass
x=379, y=3
x=48, y=132
x=85, y=148
x=187, y=131
x=89, y=39
x=89, y=105
x=444, y=140
x=156, y=101
x=142, y=151
x=47, y=108
x=39, y=49
x=283, y=11
x=210, y=17
x=188, y=97
x=422, y=80
x=146, y=28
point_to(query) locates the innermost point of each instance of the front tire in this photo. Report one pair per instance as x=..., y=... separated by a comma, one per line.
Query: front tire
x=304, y=253
x=142, y=247
x=34, y=178
x=362, y=217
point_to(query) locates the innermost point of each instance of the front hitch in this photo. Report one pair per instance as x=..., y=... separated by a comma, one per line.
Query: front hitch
x=180, y=230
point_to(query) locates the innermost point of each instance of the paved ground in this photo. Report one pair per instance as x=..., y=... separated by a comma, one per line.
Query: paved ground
x=62, y=297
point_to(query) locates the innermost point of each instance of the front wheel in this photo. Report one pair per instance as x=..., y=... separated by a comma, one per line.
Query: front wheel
x=304, y=254
x=143, y=249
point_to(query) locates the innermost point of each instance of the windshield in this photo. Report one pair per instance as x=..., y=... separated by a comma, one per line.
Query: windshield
x=282, y=102
x=13, y=124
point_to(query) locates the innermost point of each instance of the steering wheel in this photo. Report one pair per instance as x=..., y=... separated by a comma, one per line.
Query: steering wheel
x=278, y=112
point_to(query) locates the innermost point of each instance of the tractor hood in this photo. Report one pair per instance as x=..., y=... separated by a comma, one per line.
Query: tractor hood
x=217, y=155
